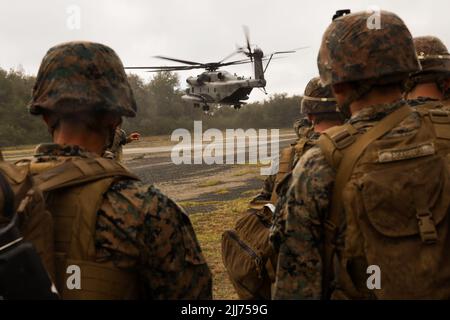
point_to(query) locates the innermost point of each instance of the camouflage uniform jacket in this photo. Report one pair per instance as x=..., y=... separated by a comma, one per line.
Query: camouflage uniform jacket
x=140, y=228
x=120, y=139
x=116, y=151
x=429, y=103
x=279, y=217
x=420, y=101
x=299, y=272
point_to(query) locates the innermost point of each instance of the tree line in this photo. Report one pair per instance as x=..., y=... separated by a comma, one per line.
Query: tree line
x=160, y=110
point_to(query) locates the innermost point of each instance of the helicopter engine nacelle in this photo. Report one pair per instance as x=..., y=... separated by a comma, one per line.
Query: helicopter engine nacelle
x=192, y=81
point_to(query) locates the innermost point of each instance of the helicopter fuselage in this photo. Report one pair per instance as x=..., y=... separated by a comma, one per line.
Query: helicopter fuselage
x=220, y=87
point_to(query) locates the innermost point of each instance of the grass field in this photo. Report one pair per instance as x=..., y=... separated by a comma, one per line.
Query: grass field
x=209, y=228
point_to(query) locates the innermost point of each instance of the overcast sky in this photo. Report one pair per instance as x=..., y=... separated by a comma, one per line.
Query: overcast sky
x=198, y=30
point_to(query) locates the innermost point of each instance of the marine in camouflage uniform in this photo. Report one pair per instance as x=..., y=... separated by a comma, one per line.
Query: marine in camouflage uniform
x=431, y=85
x=365, y=60
x=302, y=126
x=303, y=131
x=138, y=229
x=319, y=105
x=317, y=102
x=120, y=139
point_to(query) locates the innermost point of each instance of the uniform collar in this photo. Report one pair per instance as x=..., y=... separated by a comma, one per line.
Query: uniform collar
x=57, y=150
x=313, y=135
x=376, y=112
x=420, y=100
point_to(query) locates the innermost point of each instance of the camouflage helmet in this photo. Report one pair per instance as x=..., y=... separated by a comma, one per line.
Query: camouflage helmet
x=352, y=49
x=318, y=98
x=432, y=54
x=79, y=77
x=434, y=60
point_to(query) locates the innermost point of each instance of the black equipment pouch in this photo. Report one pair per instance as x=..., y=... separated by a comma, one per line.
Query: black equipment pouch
x=22, y=274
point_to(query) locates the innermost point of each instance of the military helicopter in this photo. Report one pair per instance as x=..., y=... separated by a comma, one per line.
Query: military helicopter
x=215, y=86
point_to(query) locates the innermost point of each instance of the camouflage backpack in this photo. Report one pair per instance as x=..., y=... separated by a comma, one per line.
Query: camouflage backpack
x=25, y=268
x=247, y=254
x=395, y=193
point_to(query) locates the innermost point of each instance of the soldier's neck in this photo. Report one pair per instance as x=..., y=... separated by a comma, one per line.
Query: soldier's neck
x=375, y=97
x=325, y=125
x=89, y=141
x=426, y=90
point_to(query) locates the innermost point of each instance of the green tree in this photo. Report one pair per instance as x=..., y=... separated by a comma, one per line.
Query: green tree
x=17, y=125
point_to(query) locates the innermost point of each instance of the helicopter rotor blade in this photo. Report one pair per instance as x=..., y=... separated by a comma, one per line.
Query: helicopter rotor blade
x=173, y=69
x=203, y=66
x=245, y=61
x=179, y=60
x=247, y=39
x=235, y=62
x=164, y=68
x=282, y=52
x=285, y=52
x=229, y=56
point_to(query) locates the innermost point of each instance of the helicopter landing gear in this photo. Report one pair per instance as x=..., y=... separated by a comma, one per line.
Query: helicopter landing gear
x=237, y=106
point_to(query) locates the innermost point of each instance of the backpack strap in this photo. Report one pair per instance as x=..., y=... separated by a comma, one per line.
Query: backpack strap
x=344, y=149
x=286, y=159
x=8, y=196
x=77, y=171
x=440, y=119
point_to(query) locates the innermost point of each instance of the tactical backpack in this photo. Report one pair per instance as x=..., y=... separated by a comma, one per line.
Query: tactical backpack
x=23, y=221
x=73, y=189
x=393, y=196
x=247, y=254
